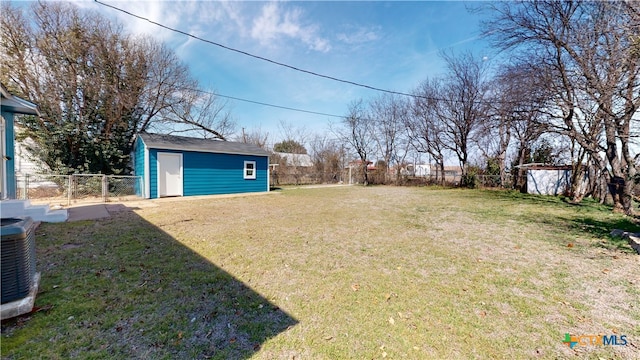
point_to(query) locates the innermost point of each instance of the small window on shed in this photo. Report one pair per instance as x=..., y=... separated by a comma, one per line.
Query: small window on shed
x=249, y=169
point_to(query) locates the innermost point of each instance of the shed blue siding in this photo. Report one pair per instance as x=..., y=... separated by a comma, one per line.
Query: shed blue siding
x=138, y=164
x=153, y=171
x=213, y=173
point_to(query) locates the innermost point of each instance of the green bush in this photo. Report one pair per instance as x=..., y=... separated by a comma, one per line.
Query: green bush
x=470, y=178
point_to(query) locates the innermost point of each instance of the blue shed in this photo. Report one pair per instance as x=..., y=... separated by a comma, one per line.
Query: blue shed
x=185, y=166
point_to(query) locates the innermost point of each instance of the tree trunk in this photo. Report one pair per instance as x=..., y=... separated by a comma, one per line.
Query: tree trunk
x=365, y=175
x=505, y=136
x=627, y=197
x=577, y=176
x=520, y=181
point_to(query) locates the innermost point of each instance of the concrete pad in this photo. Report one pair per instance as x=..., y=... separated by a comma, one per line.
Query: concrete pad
x=56, y=215
x=88, y=212
x=21, y=306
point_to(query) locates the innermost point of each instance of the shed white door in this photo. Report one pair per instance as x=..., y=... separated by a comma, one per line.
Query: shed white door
x=169, y=174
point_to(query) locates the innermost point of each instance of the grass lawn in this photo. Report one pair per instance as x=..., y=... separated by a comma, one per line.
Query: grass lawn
x=335, y=273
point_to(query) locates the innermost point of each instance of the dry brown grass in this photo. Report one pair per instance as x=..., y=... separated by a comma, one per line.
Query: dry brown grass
x=373, y=272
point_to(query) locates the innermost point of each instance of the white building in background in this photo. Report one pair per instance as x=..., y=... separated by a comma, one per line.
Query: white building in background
x=26, y=163
x=418, y=170
x=548, y=179
x=422, y=170
x=302, y=160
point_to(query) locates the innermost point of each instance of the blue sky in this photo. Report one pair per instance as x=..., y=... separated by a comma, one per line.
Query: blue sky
x=390, y=45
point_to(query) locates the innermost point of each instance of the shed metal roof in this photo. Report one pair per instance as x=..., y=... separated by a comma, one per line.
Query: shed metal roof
x=172, y=142
x=15, y=104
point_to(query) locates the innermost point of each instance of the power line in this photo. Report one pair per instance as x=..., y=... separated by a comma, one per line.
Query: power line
x=415, y=96
x=259, y=102
x=267, y=104
x=257, y=56
x=270, y=105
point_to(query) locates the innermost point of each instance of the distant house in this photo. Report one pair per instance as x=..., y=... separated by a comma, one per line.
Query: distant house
x=354, y=169
x=290, y=159
x=184, y=166
x=358, y=164
x=417, y=170
x=548, y=179
x=290, y=168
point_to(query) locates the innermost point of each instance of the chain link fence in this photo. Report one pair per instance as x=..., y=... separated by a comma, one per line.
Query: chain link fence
x=305, y=176
x=70, y=189
x=291, y=175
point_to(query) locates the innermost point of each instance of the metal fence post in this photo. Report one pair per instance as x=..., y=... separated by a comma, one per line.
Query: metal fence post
x=25, y=194
x=69, y=195
x=105, y=188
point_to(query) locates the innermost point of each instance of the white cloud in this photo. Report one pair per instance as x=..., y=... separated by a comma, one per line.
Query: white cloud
x=221, y=21
x=163, y=12
x=275, y=23
x=232, y=11
x=359, y=35
x=198, y=18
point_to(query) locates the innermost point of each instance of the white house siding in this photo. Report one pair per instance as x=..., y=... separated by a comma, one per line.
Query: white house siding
x=25, y=163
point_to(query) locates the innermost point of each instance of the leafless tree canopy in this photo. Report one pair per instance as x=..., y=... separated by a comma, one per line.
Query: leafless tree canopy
x=255, y=136
x=390, y=114
x=97, y=87
x=462, y=108
x=586, y=52
x=425, y=127
x=356, y=130
x=328, y=156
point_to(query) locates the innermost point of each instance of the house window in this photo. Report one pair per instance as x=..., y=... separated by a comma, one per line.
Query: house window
x=249, y=169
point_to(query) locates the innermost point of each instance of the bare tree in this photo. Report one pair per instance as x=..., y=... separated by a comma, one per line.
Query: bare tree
x=462, y=107
x=494, y=134
x=424, y=124
x=291, y=166
x=589, y=55
x=198, y=112
x=255, y=136
x=356, y=129
x=390, y=115
x=96, y=86
x=518, y=94
x=290, y=133
x=328, y=158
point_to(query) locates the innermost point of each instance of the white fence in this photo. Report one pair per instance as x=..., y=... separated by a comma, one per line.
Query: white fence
x=78, y=188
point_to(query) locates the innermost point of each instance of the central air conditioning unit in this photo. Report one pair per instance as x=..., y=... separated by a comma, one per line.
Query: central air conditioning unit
x=19, y=279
